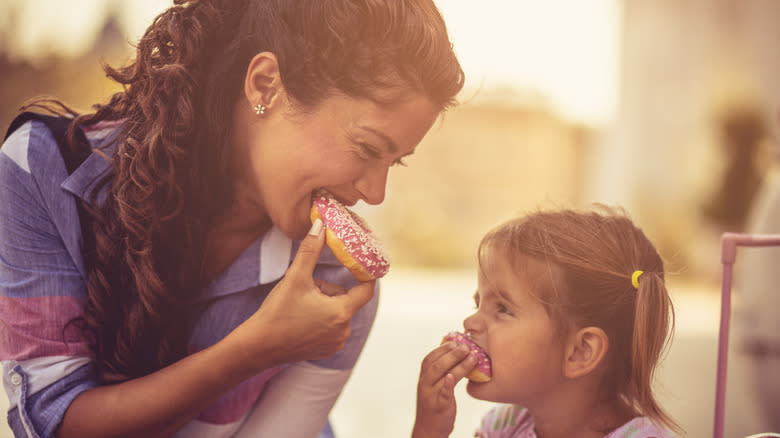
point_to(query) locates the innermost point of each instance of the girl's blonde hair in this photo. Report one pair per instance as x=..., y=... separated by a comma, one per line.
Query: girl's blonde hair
x=592, y=256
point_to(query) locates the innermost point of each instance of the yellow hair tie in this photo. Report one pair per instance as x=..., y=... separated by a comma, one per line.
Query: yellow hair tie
x=635, y=278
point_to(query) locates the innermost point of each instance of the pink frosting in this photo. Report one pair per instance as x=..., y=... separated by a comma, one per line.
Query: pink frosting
x=483, y=361
x=355, y=234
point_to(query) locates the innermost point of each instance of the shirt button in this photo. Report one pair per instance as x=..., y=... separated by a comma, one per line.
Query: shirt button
x=16, y=379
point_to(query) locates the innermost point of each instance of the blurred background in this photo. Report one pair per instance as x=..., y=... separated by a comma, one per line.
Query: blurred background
x=669, y=108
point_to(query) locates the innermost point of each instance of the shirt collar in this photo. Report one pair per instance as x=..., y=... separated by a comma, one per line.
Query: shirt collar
x=97, y=164
x=264, y=261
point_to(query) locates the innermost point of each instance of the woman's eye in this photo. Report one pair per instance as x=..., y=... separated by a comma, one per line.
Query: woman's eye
x=369, y=150
x=399, y=162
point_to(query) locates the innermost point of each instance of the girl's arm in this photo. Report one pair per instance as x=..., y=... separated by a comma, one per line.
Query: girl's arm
x=441, y=369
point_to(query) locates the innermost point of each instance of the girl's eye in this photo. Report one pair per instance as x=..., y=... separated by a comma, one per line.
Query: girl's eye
x=503, y=309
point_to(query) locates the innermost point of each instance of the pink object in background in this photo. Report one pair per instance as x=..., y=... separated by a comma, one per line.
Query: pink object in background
x=729, y=244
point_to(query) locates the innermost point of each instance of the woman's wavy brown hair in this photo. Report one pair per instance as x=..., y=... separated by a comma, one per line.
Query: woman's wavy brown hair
x=592, y=256
x=172, y=159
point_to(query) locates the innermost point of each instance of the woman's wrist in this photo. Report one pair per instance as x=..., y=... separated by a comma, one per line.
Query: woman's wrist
x=249, y=350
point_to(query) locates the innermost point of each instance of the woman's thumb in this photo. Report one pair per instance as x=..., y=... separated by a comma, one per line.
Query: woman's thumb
x=309, y=250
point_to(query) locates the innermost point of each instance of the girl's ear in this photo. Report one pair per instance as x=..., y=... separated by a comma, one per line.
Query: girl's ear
x=585, y=350
x=262, y=83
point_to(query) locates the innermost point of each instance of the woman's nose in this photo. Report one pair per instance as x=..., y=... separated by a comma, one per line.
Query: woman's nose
x=372, y=185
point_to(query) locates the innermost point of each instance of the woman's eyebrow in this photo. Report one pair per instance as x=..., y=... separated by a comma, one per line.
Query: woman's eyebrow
x=391, y=146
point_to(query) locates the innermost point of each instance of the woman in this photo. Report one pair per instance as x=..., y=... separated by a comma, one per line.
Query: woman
x=182, y=303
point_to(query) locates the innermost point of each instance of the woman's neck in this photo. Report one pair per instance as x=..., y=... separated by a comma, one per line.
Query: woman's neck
x=231, y=234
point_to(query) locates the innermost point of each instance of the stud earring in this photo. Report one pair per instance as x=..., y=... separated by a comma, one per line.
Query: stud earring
x=260, y=109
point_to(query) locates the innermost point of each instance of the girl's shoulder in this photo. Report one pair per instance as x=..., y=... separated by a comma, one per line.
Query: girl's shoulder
x=640, y=427
x=506, y=421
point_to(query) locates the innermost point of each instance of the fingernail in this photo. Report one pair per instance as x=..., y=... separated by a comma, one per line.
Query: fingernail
x=316, y=227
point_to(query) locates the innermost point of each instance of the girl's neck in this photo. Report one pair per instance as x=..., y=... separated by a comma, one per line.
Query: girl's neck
x=579, y=416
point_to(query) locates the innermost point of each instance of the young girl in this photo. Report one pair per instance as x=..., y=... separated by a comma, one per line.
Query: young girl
x=573, y=311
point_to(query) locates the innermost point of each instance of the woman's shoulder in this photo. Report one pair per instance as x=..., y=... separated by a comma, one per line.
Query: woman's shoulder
x=28, y=140
x=505, y=421
x=640, y=427
x=34, y=148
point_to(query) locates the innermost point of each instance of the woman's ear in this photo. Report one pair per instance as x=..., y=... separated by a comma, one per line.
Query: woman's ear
x=585, y=350
x=263, y=83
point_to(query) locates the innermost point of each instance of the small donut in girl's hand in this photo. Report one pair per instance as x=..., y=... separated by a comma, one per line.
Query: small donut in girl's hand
x=349, y=237
x=481, y=373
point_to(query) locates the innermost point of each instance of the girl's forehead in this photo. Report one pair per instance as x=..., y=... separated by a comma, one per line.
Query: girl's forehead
x=516, y=273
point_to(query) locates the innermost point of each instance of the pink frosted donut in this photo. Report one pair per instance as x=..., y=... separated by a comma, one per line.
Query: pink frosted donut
x=350, y=239
x=481, y=372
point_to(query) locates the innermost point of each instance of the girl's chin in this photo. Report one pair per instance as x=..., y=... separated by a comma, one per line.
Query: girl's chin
x=477, y=389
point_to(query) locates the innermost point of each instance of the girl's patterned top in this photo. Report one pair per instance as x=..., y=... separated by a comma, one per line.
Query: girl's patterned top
x=510, y=421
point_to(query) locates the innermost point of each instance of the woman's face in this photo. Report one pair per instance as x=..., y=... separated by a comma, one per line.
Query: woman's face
x=515, y=330
x=345, y=145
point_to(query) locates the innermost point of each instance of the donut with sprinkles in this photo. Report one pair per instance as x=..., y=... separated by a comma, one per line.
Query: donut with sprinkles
x=349, y=238
x=481, y=372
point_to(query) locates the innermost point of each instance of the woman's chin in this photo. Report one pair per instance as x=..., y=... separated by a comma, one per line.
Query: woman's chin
x=297, y=232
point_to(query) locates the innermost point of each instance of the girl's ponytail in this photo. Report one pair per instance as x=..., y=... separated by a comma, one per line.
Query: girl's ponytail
x=653, y=319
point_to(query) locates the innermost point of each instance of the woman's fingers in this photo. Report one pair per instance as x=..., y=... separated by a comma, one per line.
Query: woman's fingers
x=308, y=252
x=329, y=289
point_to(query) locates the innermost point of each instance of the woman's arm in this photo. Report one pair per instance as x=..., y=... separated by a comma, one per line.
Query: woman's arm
x=296, y=322
x=158, y=404
x=297, y=401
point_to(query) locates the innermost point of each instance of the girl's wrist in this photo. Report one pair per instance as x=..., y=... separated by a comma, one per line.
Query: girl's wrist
x=420, y=432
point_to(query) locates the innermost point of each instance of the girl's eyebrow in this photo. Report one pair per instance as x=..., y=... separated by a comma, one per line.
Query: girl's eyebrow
x=505, y=296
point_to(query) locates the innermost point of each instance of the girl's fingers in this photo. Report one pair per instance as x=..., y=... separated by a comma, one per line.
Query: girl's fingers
x=464, y=367
x=444, y=359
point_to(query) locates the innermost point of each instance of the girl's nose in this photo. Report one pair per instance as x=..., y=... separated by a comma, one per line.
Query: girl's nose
x=473, y=323
x=372, y=185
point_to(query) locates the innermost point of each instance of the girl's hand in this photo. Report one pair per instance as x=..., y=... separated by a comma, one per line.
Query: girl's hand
x=441, y=369
x=301, y=319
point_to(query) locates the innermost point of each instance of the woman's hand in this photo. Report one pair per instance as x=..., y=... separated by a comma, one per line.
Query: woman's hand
x=441, y=369
x=302, y=319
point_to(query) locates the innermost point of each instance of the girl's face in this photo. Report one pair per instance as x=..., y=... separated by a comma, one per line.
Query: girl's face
x=514, y=328
x=345, y=145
